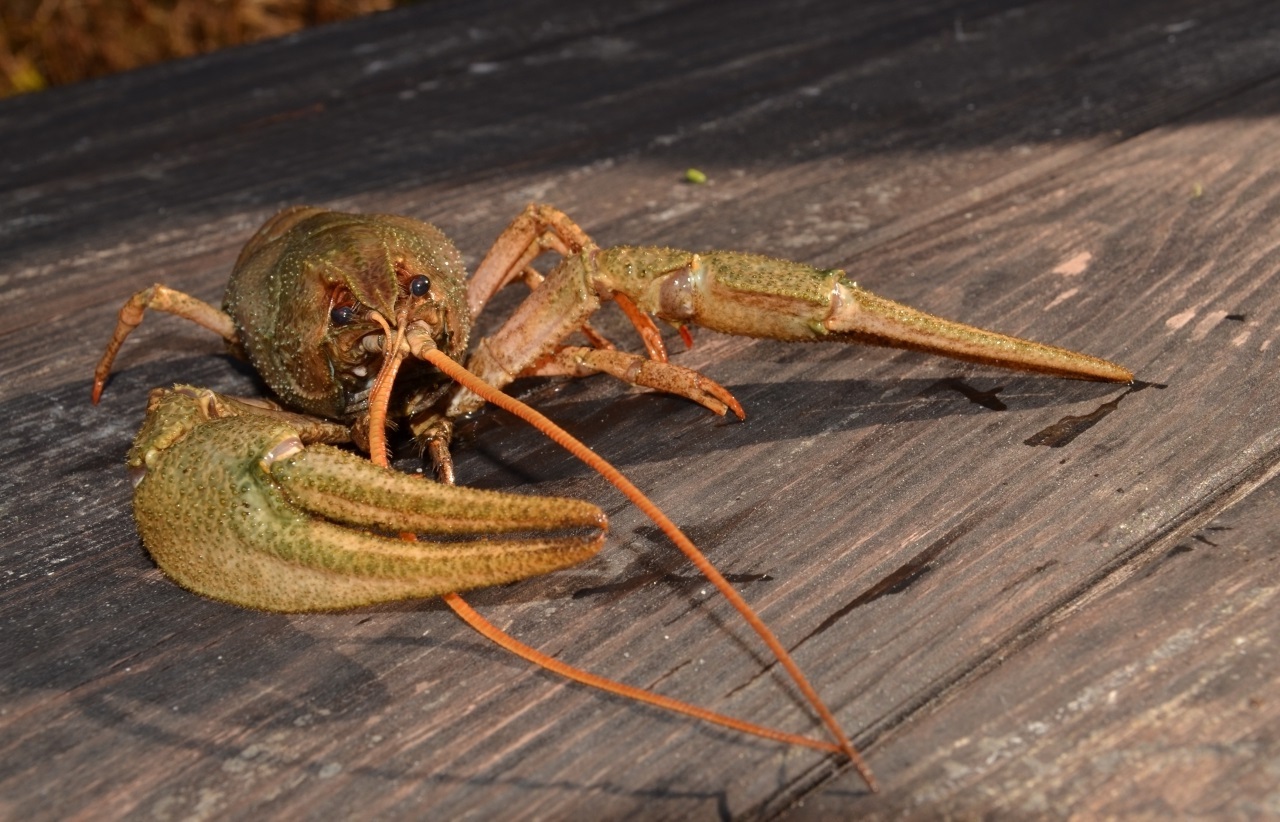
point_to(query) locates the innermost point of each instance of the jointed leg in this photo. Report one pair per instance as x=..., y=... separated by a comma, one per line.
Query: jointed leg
x=645, y=326
x=161, y=298
x=531, y=342
x=435, y=432
x=533, y=279
x=577, y=361
x=538, y=230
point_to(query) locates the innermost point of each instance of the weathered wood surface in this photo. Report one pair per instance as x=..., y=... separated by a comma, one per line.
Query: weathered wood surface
x=1007, y=627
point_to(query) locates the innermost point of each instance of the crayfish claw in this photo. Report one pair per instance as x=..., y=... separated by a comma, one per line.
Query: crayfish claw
x=738, y=293
x=237, y=508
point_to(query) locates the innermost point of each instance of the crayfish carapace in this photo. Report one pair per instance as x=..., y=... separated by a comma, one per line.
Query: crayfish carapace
x=351, y=319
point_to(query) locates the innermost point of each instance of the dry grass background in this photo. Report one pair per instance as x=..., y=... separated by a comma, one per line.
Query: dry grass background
x=50, y=42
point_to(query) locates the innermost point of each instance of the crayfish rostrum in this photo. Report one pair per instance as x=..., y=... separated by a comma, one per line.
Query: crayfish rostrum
x=351, y=319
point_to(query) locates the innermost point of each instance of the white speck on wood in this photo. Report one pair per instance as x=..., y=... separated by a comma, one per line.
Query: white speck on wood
x=1063, y=297
x=1075, y=265
x=1178, y=320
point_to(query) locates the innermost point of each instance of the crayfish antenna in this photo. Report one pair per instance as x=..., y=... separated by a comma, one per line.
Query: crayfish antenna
x=504, y=640
x=561, y=437
x=378, y=454
x=394, y=351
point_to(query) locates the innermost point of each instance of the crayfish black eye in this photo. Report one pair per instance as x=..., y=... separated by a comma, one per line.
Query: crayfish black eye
x=342, y=314
x=419, y=286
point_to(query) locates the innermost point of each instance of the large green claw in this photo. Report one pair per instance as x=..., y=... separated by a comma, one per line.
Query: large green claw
x=233, y=505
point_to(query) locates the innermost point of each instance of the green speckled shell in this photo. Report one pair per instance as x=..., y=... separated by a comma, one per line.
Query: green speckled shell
x=279, y=296
x=222, y=523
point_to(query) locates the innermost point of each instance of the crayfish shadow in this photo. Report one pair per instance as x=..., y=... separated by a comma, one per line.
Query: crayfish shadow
x=641, y=426
x=716, y=802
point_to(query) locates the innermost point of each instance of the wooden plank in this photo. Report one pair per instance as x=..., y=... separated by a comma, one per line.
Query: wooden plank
x=920, y=507
x=1108, y=712
x=361, y=136
x=1201, y=312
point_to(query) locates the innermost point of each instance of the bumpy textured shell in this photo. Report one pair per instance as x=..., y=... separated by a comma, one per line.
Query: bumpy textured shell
x=280, y=294
x=232, y=506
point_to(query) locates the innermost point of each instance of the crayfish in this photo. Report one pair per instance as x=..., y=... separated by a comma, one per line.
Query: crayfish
x=355, y=319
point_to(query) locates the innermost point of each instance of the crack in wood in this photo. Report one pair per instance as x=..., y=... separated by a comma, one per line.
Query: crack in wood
x=1132, y=563
x=904, y=577
x=1065, y=430
x=652, y=577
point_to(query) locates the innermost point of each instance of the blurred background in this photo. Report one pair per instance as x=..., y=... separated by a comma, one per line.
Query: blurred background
x=53, y=42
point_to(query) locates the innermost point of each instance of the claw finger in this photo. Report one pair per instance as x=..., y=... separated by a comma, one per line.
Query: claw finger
x=345, y=488
x=252, y=538
x=676, y=379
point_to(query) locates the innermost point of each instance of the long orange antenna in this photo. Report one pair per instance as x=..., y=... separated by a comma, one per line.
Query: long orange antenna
x=380, y=395
x=504, y=640
x=501, y=638
x=492, y=395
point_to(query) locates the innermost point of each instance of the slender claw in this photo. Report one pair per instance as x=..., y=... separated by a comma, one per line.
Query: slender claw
x=347, y=489
x=860, y=316
x=269, y=528
x=758, y=296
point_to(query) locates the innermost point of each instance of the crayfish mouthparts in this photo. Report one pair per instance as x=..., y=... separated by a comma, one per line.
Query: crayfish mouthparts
x=411, y=339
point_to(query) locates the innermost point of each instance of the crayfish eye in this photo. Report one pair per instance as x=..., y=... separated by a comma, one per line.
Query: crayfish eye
x=419, y=286
x=342, y=314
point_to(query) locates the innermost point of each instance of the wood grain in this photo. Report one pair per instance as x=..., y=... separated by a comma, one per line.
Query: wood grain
x=1096, y=175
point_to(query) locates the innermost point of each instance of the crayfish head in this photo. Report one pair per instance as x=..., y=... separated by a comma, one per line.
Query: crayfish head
x=321, y=304
x=411, y=277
